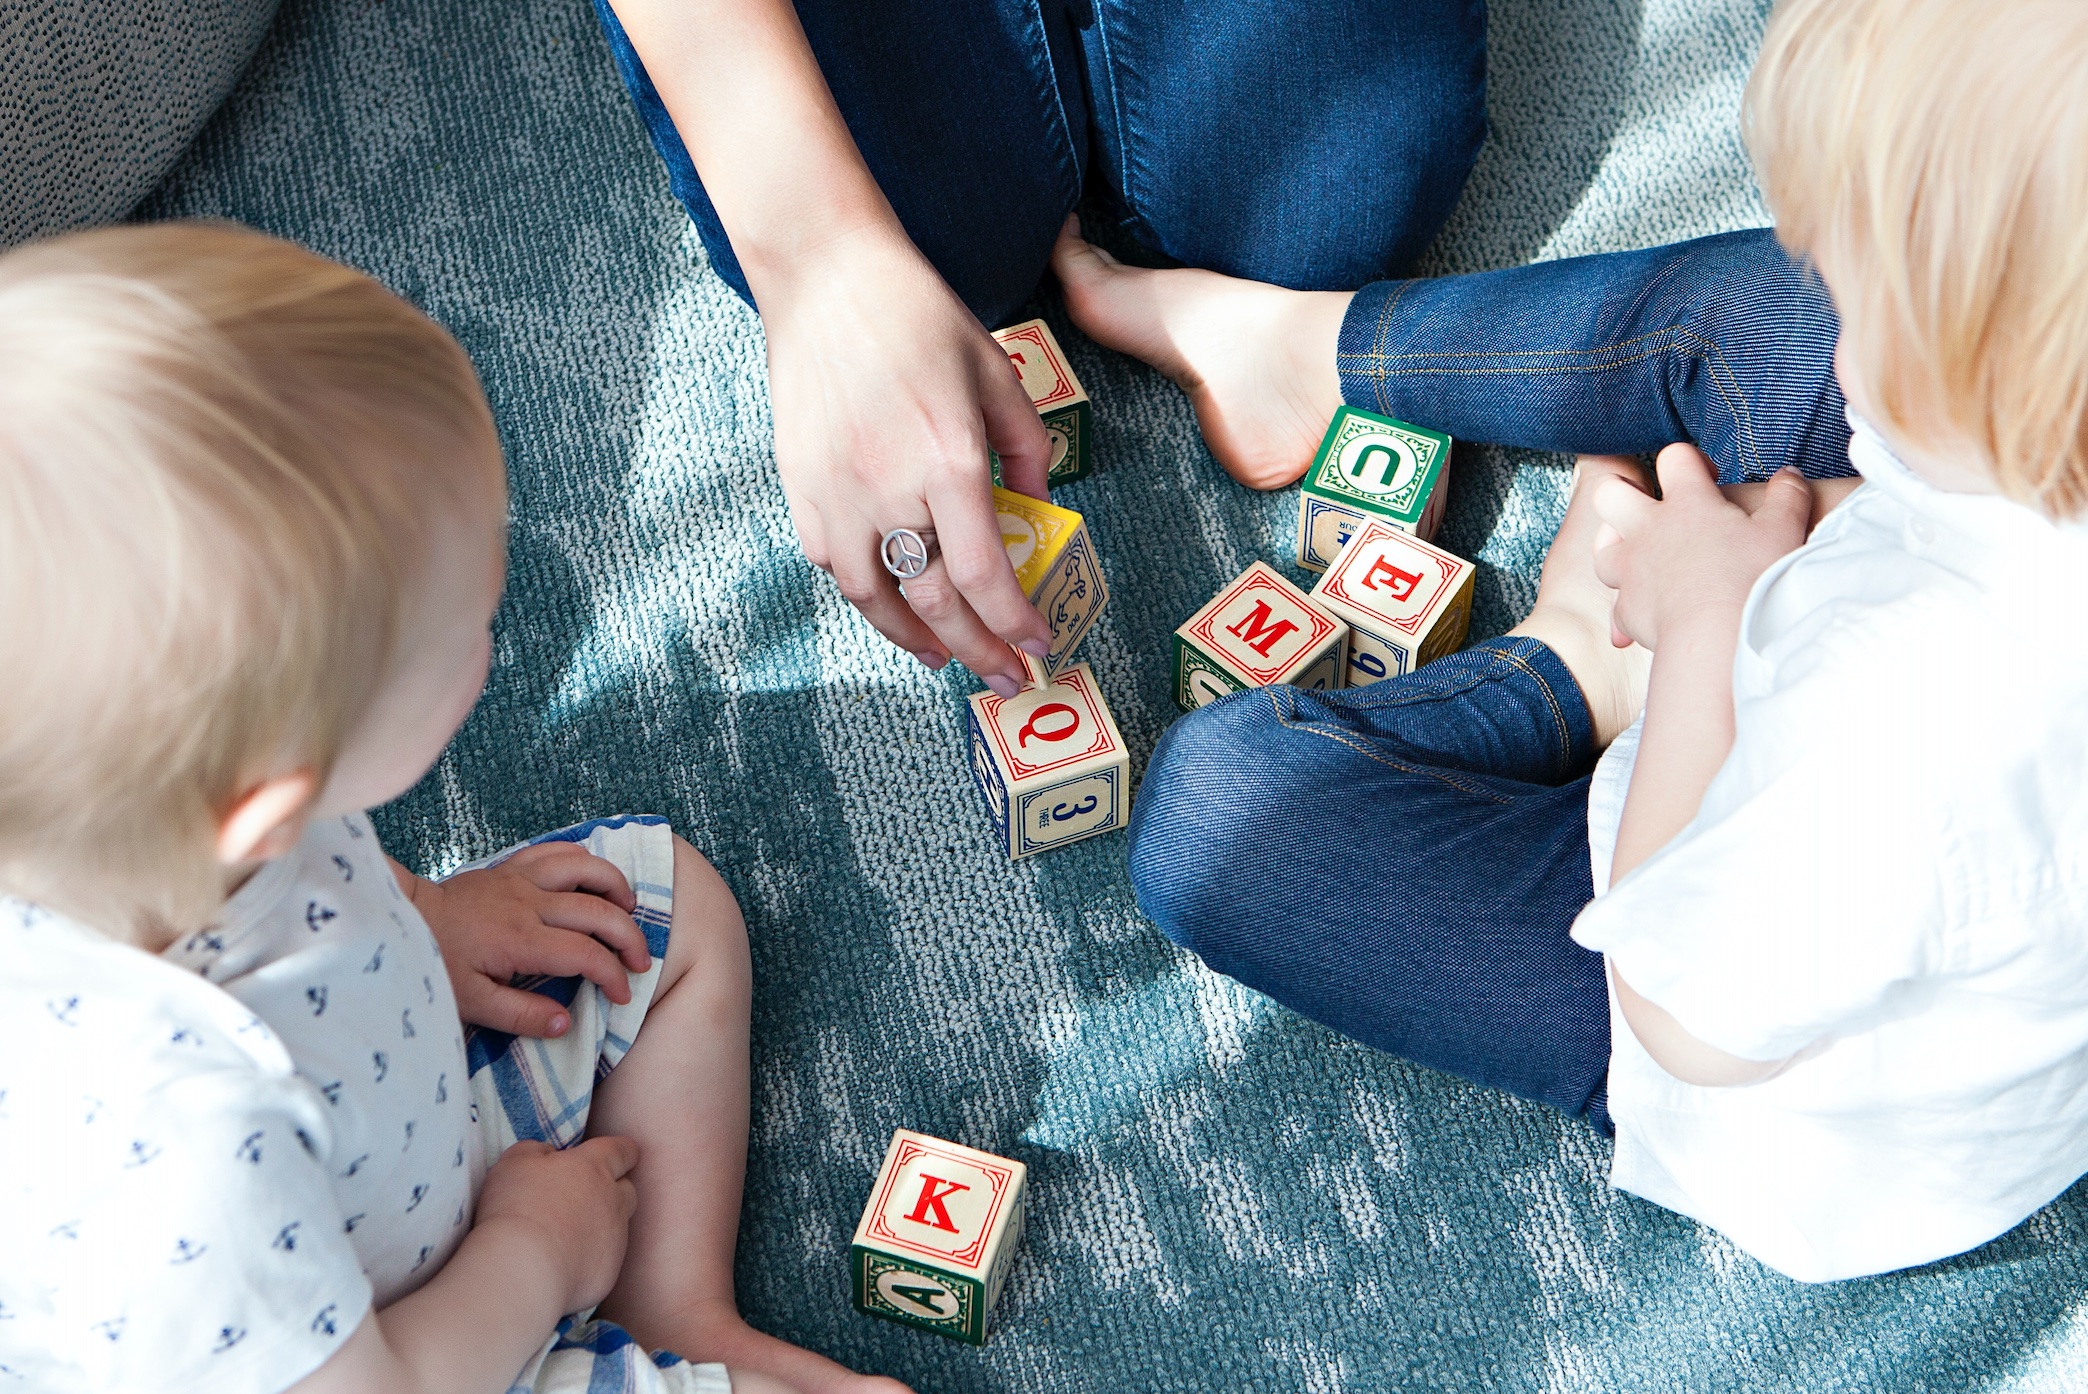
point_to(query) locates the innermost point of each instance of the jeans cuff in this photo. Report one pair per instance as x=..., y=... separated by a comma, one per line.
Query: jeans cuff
x=1365, y=329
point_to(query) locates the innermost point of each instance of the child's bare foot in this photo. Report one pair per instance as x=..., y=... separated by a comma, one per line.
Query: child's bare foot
x=1572, y=614
x=777, y=1366
x=1256, y=360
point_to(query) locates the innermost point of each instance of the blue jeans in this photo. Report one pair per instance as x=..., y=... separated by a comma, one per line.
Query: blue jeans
x=1319, y=147
x=1400, y=862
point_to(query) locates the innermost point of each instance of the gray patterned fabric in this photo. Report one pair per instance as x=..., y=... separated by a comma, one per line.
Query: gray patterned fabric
x=1226, y=1198
x=99, y=97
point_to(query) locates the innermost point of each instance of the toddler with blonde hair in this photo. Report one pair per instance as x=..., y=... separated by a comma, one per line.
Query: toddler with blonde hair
x=1811, y=935
x=252, y=533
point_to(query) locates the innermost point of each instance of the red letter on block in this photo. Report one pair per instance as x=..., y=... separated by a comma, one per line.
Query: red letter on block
x=1257, y=625
x=932, y=1199
x=1403, y=582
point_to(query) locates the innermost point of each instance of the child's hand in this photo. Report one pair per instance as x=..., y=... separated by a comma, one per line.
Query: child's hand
x=577, y=1204
x=554, y=909
x=1690, y=556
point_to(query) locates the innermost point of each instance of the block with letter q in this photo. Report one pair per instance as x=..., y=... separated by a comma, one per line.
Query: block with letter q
x=1050, y=762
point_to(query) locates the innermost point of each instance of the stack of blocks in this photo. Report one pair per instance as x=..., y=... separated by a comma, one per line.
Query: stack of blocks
x=1389, y=600
x=934, y=1244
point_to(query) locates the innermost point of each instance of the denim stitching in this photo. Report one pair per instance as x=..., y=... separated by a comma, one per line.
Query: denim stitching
x=1342, y=738
x=1551, y=699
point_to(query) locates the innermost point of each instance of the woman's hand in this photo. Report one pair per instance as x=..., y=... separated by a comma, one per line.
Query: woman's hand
x=887, y=396
x=554, y=909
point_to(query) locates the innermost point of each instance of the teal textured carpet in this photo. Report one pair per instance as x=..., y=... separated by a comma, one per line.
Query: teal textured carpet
x=1226, y=1197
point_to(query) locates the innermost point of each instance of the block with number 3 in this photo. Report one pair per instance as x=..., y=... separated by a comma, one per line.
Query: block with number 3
x=1405, y=601
x=1050, y=763
x=1055, y=392
x=934, y=1244
x=1370, y=466
x=1258, y=631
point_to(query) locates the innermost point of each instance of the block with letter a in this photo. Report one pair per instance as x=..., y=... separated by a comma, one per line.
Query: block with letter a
x=1258, y=631
x=1050, y=762
x=1370, y=466
x=1055, y=392
x=1405, y=601
x=935, y=1242
x=1054, y=560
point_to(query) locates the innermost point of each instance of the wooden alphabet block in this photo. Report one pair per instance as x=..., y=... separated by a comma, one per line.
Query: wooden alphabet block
x=935, y=1241
x=1406, y=601
x=1370, y=466
x=1050, y=763
x=1057, y=394
x=1054, y=559
x=1258, y=631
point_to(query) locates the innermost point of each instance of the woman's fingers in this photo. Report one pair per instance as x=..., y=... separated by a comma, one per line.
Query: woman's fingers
x=859, y=572
x=1013, y=430
x=975, y=559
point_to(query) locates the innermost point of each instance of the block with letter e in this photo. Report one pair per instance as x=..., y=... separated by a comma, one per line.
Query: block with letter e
x=1050, y=763
x=1057, y=395
x=1054, y=560
x=934, y=1244
x=1405, y=601
x=1258, y=631
x=1370, y=466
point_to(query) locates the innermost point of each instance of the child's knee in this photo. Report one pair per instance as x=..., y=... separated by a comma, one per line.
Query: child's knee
x=709, y=934
x=1213, y=798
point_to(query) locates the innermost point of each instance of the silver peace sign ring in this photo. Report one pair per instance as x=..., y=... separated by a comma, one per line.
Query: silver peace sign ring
x=907, y=553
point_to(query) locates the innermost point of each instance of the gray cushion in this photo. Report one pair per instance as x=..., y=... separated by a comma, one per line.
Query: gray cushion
x=98, y=98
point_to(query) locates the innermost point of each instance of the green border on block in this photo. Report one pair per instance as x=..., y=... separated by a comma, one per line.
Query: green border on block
x=1431, y=448
x=1074, y=421
x=1190, y=658
x=968, y=1324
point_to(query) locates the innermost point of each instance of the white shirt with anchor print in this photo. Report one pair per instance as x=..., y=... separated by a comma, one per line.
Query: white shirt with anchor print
x=215, y=1161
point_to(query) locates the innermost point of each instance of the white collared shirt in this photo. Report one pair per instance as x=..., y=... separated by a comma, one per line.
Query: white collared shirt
x=1888, y=878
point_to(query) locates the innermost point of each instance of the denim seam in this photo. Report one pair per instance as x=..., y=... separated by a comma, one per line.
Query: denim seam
x=1551, y=699
x=1069, y=158
x=1117, y=123
x=1662, y=341
x=1367, y=753
x=1377, y=343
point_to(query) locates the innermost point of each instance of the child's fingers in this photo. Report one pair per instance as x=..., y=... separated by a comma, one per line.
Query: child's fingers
x=616, y=1154
x=513, y=1010
x=567, y=866
x=561, y=953
x=1621, y=505
x=1788, y=503
x=1609, y=556
x=1683, y=471
x=597, y=918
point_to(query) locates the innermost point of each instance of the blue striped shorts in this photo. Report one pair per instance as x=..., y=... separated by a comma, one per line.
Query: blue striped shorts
x=525, y=1088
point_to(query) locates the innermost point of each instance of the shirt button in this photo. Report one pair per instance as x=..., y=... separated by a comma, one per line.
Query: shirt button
x=1921, y=532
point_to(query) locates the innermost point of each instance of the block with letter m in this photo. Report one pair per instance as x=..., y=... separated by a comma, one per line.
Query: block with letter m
x=1258, y=631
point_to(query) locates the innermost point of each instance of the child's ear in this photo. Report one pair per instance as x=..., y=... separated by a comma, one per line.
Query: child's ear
x=267, y=820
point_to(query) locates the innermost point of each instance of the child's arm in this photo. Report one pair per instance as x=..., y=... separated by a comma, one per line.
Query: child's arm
x=548, y=1239
x=554, y=908
x=1683, y=567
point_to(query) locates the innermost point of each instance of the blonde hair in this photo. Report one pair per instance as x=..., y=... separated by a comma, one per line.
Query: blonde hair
x=1931, y=157
x=221, y=458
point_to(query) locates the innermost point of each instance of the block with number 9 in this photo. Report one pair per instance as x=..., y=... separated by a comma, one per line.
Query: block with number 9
x=1405, y=601
x=1050, y=763
x=1370, y=466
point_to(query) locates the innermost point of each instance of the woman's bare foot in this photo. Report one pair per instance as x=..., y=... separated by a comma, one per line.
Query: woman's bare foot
x=1572, y=613
x=1256, y=360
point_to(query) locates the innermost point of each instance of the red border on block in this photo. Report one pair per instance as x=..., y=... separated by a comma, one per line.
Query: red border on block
x=909, y=1149
x=1062, y=385
x=1019, y=768
x=1447, y=566
x=1255, y=578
